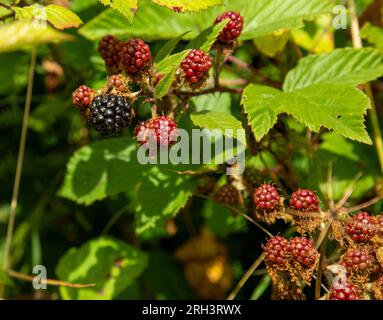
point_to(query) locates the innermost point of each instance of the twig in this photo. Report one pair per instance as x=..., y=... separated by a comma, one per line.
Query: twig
x=114, y=218
x=51, y=282
x=246, y=277
x=19, y=166
x=357, y=43
x=9, y=15
x=348, y=192
x=322, y=253
x=6, y=6
x=365, y=204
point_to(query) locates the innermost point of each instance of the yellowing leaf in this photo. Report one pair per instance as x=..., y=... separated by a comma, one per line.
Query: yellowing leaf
x=60, y=17
x=23, y=34
x=127, y=7
x=272, y=44
x=187, y=5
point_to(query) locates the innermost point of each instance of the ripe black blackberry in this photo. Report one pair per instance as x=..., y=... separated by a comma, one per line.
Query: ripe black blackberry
x=304, y=200
x=110, y=49
x=232, y=29
x=344, y=291
x=361, y=227
x=229, y=195
x=135, y=56
x=196, y=66
x=109, y=114
x=304, y=252
x=160, y=130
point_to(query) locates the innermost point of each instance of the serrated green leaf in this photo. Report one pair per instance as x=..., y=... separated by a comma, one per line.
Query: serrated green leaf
x=167, y=49
x=102, y=169
x=187, y=5
x=164, y=84
x=169, y=63
x=373, y=34
x=59, y=16
x=218, y=101
x=107, y=22
x=346, y=66
x=263, y=17
x=110, y=264
x=335, y=107
x=126, y=7
x=217, y=121
x=24, y=34
x=206, y=38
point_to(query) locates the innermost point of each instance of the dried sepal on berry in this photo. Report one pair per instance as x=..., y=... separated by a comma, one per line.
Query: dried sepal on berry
x=305, y=259
x=306, y=211
x=377, y=289
x=268, y=203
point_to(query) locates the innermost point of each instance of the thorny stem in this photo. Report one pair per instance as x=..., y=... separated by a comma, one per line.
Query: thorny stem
x=52, y=282
x=19, y=167
x=212, y=90
x=246, y=277
x=322, y=254
x=357, y=43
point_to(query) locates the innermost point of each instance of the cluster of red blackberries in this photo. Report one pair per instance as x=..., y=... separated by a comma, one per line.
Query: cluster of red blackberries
x=109, y=112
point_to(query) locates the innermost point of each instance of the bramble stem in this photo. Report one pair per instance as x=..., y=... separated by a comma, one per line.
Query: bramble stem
x=357, y=43
x=246, y=277
x=19, y=167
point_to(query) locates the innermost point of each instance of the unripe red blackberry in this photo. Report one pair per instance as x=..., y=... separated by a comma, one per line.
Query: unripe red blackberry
x=359, y=261
x=232, y=29
x=135, y=56
x=303, y=251
x=196, y=66
x=110, y=48
x=344, y=291
x=361, y=227
x=82, y=97
x=277, y=251
x=109, y=114
x=266, y=198
x=160, y=130
x=228, y=194
x=304, y=200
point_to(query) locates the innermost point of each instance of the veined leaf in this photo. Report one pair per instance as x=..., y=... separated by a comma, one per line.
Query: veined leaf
x=110, y=264
x=167, y=49
x=335, y=107
x=217, y=121
x=126, y=7
x=24, y=34
x=342, y=66
x=169, y=63
x=187, y=5
x=164, y=84
x=206, y=38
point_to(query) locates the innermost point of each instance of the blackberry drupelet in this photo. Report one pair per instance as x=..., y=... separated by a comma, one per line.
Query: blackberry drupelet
x=109, y=114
